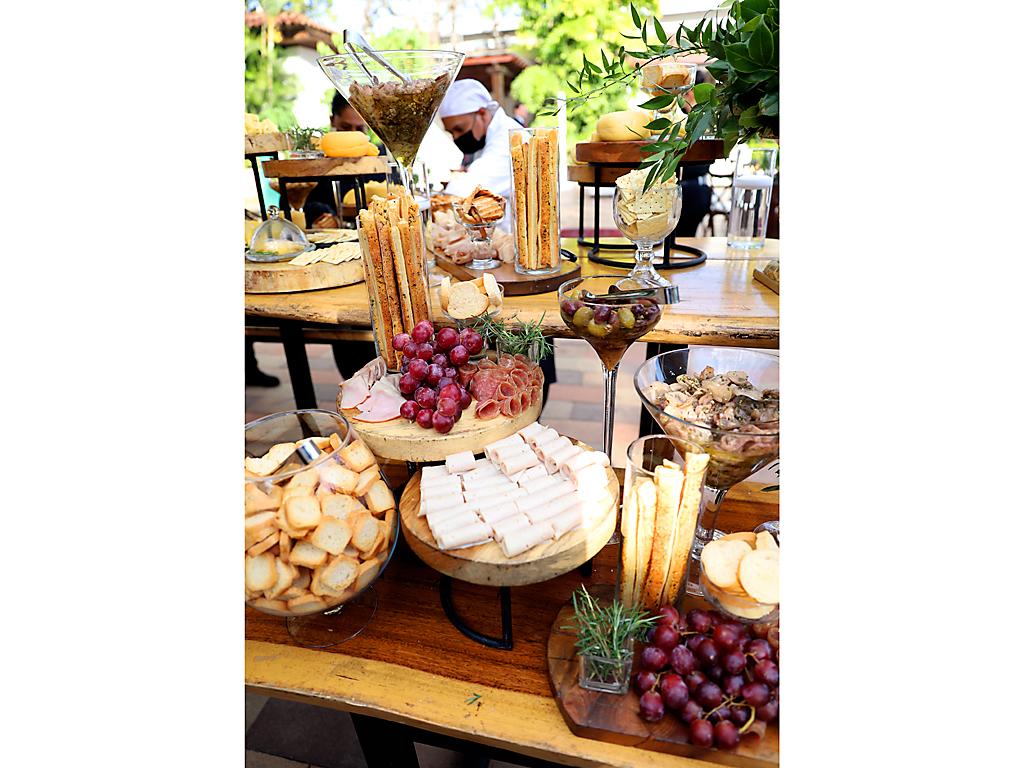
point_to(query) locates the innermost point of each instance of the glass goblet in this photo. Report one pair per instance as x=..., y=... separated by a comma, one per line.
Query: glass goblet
x=647, y=232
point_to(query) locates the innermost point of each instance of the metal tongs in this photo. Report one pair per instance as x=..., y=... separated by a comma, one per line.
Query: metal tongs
x=667, y=294
x=351, y=40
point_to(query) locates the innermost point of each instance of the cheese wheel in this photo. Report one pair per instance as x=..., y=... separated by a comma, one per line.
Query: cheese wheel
x=626, y=125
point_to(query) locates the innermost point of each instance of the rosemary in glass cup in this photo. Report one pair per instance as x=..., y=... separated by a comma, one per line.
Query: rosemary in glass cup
x=605, y=635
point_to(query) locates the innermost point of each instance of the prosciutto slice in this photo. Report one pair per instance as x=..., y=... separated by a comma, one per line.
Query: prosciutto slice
x=383, y=404
x=487, y=409
x=353, y=392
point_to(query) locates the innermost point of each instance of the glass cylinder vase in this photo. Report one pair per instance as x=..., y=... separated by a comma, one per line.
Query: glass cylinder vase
x=535, y=212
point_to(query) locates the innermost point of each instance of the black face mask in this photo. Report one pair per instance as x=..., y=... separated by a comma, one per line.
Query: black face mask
x=468, y=143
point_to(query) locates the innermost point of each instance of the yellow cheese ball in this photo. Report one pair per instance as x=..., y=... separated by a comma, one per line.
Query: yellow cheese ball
x=346, y=144
x=373, y=189
x=627, y=125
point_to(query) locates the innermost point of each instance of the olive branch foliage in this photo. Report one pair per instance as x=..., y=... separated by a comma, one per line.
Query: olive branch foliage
x=741, y=41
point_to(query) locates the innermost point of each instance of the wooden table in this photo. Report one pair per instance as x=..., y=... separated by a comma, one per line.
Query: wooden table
x=414, y=670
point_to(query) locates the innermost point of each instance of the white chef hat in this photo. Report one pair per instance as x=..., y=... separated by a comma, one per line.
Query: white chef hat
x=465, y=96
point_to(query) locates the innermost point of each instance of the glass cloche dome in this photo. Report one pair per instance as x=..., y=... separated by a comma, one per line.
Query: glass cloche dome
x=277, y=239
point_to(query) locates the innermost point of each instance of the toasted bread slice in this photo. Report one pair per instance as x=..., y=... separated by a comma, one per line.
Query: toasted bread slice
x=379, y=498
x=357, y=456
x=266, y=543
x=260, y=572
x=256, y=500
x=275, y=607
x=284, y=545
x=365, y=532
x=306, y=604
x=366, y=479
x=366, y=574
x=308, y=478
x=285, y=576
x=340, y=506
x=338, y=478
x=308, y=554
x=332, y=535
x=339, y=573
x=302, y=512
x=268, y=463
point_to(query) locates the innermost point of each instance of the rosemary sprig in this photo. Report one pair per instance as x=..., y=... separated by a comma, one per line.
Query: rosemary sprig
x=302, y=138
x=515, y=336
x=607, y=631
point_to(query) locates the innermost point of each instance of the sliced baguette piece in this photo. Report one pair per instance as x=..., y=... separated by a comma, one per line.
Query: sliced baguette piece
x=340, y=506
x=379, y=498
x=307, y=554
x=274, y=607
x=357, y=456
x=256, y=500
x=267, y=542
x=308, y=478
x=365, y=532
x=285, y=576
x=302, y=578
x=260, y=572
x=331, y=535
x=366, y=478
x=338, y=478
x=366, y=573
x=269, y=462
x=388, y=526
x=339, y=573
x=302, y=512
x=282, y=523
x=284, y=545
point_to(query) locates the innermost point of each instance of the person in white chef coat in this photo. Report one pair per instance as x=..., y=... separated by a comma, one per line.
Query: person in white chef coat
x=478, y=125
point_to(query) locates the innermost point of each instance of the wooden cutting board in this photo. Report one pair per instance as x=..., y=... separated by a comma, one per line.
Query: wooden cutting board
x=614, y=718
x=324, y=166
x=630, y=152
x=515, y=283
x=487, y=564
x=267, y=142
x=282, y=277
x=403, y=440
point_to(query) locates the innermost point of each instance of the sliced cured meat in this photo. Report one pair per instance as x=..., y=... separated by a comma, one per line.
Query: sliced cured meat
x=505, y=390
x=353, y=392
x=487, y=409
x=483, y=387
x=466, y=373
x=525, y=400
x=486, y=363
x=506, y=362
x=511, y=407
x=520, y=379
x=535, y=393
x=522, y=359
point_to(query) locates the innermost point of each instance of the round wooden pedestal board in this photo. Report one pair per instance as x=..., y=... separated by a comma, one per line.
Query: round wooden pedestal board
x=487, y=564
x=402, y=440
x=616, y=719
x=282, y=277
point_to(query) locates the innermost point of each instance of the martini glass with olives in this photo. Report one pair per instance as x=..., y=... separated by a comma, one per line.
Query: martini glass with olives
x=609, y=312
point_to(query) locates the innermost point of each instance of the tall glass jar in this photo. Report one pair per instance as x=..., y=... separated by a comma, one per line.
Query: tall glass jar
x=535, y=213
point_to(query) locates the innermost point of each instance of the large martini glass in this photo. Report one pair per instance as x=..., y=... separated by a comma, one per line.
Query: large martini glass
x=398, y=102
x=609, y=312
x=739, y=442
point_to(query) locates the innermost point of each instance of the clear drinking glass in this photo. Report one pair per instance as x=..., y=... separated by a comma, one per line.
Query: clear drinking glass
x=735, y=453
x=647, y=233
x=604, y=674
x=643, y=456
x=536, y=229
x=480, y=235
x=751, y=197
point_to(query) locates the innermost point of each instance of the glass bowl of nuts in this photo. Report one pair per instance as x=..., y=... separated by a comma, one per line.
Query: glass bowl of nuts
x=320, y=524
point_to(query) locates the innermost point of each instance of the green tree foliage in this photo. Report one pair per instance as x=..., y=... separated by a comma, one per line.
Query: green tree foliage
x=269, y=90
x=400, y=40
x=557, y=34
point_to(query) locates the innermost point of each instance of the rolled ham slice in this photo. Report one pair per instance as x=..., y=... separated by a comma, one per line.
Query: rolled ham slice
x=593, y=475
x=567, y=520
x=576, y=463
x=466, y=536
x=512, y=523
x=546, y=435
x=433, y=503
x=518, y=541
x=555, y=460
x=481, y=473
x=460, y=462
x=552, y=508
x=541, y=483
x=484, y=463
x=501, y=452
x=440, y=527
x=495, y=513
x=519, y=462
x=353, y=392
x=433, y=472
x=505, y=441
x=546, y=449
x=457, y=510
x=530, y=430
x=491, y=485
x=441, y=486
x=532, y=473
x=479, y=501
x=541, y=498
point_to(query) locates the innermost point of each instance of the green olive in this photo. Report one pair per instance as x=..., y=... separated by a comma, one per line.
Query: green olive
x=582, y=317
x=597, y=330
x=626, y=319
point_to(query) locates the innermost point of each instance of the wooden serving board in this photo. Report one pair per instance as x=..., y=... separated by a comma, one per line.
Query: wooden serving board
x=630, y=152
x=403, y=440
x=515, y=283
x=486, y=563
x=613, y=718
x=324, y=166
x=282, y=277
x=765, y=280
x=267, y=142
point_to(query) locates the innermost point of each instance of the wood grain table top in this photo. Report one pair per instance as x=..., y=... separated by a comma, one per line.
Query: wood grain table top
x=721, y=303
x=411, y=666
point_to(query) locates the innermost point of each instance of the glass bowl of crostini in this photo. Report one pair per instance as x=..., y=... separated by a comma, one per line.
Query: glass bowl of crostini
x=320, y=524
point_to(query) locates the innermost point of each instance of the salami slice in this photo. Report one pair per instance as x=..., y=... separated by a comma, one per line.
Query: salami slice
x=511, y=407
x=466, y=374
x=487, y=409
x=506, y=362
x=505, y=390
x=525, y=400
x=486, y=363
x=520, y=379
x=483, y=386
x=535, y=394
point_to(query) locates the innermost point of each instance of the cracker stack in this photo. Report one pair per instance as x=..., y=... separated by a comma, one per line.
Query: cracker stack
x=392, y=246
x=535, y=193
x=659, y=519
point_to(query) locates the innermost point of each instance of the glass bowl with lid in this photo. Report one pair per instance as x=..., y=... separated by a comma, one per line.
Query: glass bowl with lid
x=320, y=524
x=277, y=239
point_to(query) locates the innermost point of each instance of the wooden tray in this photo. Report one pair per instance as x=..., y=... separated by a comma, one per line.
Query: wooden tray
x=282, y=277
x=629, y=152
x=324, y=166
x=515, y=283
x=487, y=564
x=616, y=719
x=403, y=440
x=267, y=142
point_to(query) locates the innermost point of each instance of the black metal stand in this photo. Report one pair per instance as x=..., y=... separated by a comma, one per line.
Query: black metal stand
x=252, y=157
x=360, y=180
x=298, y=364
x=504, y=643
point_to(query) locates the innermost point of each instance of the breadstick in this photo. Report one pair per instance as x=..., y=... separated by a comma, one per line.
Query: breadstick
x=415, y=266
x=398, y=244
x=689, y=508
x=380, y=216
x=543, y=169
x=519, y=192
x=373, y=269
x=532, y=219
x=669, y=480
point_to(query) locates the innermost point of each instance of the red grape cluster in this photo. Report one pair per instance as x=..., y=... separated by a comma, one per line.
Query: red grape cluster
x=721, y=678
x=430, y=377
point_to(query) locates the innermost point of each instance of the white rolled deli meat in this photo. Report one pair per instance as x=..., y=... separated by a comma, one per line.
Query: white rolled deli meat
x=521, y=539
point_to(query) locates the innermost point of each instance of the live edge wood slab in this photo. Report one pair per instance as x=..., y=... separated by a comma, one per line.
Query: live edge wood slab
x=411, y=666
x=615, y=719
x=514, y=283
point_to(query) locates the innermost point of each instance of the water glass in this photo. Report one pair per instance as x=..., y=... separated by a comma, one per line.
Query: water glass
x=751, y=197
